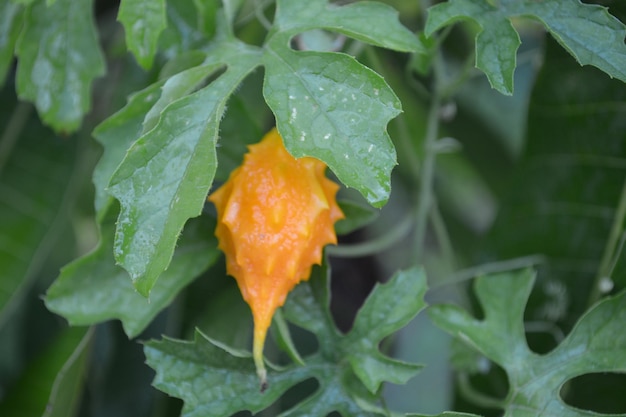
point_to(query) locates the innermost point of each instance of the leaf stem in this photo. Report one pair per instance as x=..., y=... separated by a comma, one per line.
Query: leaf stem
x=606, y=264
x=400, y=230
x=468, y=392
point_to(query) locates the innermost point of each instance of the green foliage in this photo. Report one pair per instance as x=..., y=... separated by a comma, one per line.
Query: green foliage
x=143, y=21
x=59, y=58
x=582, y=29
x=595, y=344
x=225, y=380
x=536, y=179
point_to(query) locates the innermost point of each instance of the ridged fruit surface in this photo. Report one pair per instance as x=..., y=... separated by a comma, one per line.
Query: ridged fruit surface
x=275, y=215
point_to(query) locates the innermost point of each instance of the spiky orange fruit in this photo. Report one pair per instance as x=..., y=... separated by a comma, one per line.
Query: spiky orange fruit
x=275, y=215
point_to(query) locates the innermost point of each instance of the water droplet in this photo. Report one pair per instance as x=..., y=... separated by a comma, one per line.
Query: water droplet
x=376, y=91
x=327, y=136
x=292, y=97
x=294, y=113
x=321, y=88
x=302, y=136
x=306, y=97
x=346, y=156
x=369, y=148
x=353, y=97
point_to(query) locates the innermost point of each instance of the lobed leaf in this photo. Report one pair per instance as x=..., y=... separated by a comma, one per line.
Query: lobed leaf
x=143, y=21
x=388, y=308
x=213, y=379
x=165, y=177
x=588, y=32
x=329, y=106
x=596, y=344
x=92, y=289
x=59, y=57
x=196, y=371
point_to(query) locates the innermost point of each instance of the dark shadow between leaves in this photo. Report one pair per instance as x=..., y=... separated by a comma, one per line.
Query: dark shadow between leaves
x=597, y=392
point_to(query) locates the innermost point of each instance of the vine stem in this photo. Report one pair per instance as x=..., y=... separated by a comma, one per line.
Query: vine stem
x=426, y=180
x=606, y=264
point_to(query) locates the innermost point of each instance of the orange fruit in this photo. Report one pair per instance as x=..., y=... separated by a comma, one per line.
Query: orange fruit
x=274, y=216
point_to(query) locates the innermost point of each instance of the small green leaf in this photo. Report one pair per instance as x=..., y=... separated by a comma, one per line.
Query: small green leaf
x=59, y=57
x=496, y=44
x=166, y=175
x=596, y=344
x=388, y=308
x=143, y=21
x=10, y=25
x=93, y=289
x=210, y=377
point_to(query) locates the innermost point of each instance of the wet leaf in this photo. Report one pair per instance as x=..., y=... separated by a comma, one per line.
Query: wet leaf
x=166, y=174
x=59, y=57
x=92, y=289
x=328, y=105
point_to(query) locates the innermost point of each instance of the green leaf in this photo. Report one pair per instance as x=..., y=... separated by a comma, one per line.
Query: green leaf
x=166, y=175
x=143, y=21
x=116, y=134
x=388, y=308
x=496, y=44
x=372, y=22
x=10, y=25
x=190, y=23
x=53, y=383
x=596, y=344
x=211, y=377
x=328, y=105
x=196, y=372
x=59, y=57
x=93, y=289
x=587, y=32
